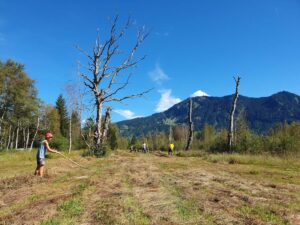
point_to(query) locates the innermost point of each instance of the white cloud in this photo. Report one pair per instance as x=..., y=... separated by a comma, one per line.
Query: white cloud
x=158, y=75
x=166, y=100
x=127, y=114
x=199, y=93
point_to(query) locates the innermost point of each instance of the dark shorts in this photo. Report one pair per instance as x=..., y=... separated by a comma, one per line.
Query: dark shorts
x=40, y=162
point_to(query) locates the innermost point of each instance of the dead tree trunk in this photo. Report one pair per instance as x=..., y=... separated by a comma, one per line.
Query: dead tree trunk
x=190, y=123
x=1, y=120
x=27, y=138
x=98, y=133
x=231, y=120
x=73, y=107
x=17, y=135
x=24, y=137
x=3, y=138
x=12, y=139
x=70, y=133
x=37, y=128
x=170, y=134
x=9, y=136
x=106, y=124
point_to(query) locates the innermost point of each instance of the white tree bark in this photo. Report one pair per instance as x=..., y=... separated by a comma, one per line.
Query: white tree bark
x=27, y=138
x=231, y=121
x=24, y=137
x=9, y=136
x=12, y=139
x=17, y=135
x=70, y=133
x=37, y=128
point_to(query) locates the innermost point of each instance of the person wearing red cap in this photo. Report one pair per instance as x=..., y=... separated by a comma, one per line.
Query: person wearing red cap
x=41, y=153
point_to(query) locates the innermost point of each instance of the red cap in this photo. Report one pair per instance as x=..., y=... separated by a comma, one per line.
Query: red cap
x=49, y=135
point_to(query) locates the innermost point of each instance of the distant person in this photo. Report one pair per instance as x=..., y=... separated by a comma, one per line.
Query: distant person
x=41, y=153
x=131, y=149
x=171, y=149
x=144, y=147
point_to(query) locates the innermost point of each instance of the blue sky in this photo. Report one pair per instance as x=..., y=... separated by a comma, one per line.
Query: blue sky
x=193, y=45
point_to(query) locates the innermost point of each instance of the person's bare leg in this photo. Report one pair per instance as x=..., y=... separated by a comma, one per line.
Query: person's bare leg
x=36, y=172
x=41, y=171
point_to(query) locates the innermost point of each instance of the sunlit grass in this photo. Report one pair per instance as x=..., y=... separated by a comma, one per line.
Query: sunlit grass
x=268, y=215
x=112, y=190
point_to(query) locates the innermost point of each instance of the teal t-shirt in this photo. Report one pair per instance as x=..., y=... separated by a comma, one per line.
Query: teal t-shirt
x=41, y=151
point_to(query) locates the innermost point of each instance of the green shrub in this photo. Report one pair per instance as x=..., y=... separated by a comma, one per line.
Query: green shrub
x=100, y=150
x=60, y=143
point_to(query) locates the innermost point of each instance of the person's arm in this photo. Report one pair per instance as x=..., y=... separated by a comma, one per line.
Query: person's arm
x=49, y=149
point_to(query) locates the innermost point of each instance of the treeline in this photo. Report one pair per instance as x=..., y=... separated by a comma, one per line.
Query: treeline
x=19, y=106
x=24, y=118
x=282, y=139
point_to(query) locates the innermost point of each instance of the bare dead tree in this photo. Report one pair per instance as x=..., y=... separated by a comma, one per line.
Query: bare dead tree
x=190, y=124
x=73, y=106
x=231, y=120
x=102, y=81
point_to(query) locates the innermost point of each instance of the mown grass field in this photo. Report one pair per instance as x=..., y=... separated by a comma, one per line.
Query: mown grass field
x=136, y=188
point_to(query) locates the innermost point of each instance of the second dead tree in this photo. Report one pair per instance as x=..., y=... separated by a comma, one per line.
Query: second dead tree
x=231, y=119
x=190, y=125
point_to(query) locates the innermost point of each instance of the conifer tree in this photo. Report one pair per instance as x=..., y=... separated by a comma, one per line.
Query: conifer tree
x=113, y=136
x=63, y=115
x=76, y=129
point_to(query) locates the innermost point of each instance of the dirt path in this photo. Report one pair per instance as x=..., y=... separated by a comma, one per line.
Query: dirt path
x=148, y=189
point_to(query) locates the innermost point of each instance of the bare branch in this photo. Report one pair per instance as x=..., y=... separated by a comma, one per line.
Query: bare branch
x=88, y=79
x=110, y=43
x=118, y=89
x=114, y=74
x=97, y=44
x=128, y=97
x=89, y=67
x=89, y=86
x=125, y=28
x=84, y=52
x=142, y=35
x=127, y=62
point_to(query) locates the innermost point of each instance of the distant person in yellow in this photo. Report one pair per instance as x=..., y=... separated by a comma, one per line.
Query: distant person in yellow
x=171, y=149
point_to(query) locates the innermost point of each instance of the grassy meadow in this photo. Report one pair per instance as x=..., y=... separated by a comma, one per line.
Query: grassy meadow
x=135, y=188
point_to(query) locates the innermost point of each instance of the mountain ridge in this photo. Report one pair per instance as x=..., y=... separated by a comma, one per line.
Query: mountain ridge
x=261, y=113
